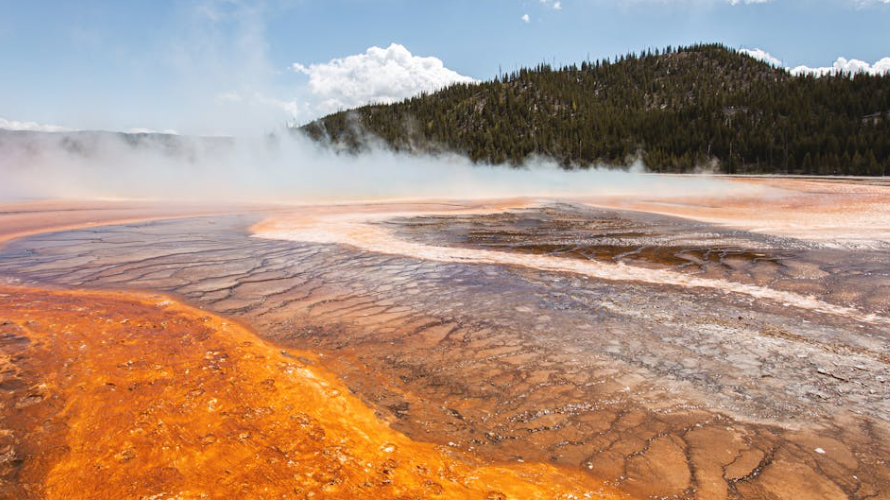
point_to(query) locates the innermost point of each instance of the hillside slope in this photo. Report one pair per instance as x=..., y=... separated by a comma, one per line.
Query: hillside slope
x=677, y=110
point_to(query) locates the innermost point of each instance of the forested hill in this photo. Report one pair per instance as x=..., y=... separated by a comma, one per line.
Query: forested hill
x=677, y=109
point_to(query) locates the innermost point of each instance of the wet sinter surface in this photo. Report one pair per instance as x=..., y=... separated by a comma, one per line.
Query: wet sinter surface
x=123, y=395
x=663, y=390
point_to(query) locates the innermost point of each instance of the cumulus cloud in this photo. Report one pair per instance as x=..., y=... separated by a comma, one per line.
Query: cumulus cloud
x=844, y=65
x=30, y=126
x=762, y=55
x=557, y=5
x=841, y=65
x=377, y=76
x=526, y=18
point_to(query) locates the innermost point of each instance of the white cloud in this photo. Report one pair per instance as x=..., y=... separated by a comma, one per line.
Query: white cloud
x=377, y=76
x=845, y=65
x=143, y=130
x=762, y=55
x=40, y=127
x=526, y=19
x=30, y=126
x=842, y=64
x=555, y=5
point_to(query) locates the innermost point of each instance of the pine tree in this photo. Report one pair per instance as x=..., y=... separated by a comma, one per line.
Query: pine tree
x=676, y=108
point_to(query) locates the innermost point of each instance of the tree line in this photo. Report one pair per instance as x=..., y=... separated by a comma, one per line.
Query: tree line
x=678, y=110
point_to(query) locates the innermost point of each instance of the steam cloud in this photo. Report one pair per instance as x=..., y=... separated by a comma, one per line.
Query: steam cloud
x=288, y=169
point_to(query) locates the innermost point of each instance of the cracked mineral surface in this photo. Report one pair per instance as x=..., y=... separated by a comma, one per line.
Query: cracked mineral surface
x=111, y=396
x=669, y=357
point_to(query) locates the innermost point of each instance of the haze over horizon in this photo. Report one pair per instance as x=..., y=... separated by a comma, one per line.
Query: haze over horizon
x=232, y=67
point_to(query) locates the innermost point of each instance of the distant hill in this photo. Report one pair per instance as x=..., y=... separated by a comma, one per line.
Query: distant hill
x=679, y=110
x=90, y=144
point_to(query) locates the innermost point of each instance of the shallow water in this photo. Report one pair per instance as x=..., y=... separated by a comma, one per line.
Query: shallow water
x=659, y=387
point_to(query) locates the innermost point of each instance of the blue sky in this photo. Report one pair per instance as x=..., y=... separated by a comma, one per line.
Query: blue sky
x=228, y=66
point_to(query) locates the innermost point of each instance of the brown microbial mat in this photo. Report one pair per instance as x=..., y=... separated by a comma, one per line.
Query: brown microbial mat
x=667, y=357
x=645, y=240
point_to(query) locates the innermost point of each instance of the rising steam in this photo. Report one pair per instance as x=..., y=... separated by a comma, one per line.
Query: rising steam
x=286, y=168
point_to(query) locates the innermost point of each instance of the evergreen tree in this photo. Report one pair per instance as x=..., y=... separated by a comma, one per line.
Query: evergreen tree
x=676, y=109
